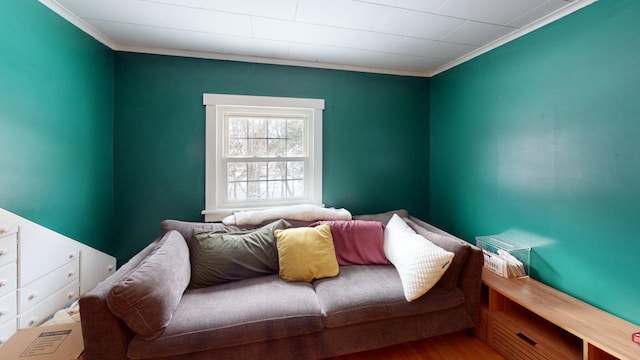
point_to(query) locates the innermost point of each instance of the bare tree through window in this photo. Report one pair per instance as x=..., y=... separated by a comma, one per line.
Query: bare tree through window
x=265, y=157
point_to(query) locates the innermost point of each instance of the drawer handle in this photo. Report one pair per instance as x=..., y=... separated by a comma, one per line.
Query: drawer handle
x=70, y=273
x=3, y=283
x=110, y=268
x=32, y=321
x=3, y=252
x=71, y=255
x=32, y=295
x=71, y=295
x=527, y=339
x=3, y=312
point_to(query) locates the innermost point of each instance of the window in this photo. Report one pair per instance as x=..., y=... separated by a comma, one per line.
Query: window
x=261, y=152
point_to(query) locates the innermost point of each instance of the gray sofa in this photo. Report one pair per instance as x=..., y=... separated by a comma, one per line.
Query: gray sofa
x=267, y=318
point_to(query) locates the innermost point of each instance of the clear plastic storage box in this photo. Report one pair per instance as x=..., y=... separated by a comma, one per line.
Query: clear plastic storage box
x=505, y=257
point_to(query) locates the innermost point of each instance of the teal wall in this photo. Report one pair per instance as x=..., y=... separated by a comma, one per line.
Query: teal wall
x=56, y=123
x=540, y=139
x=374, y=128
x=536, y=139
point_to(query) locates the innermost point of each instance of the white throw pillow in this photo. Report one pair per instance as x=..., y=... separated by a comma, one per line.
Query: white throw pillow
x=419, y=262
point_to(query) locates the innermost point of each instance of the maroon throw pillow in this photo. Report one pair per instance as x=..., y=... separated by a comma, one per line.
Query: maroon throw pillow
x=357, y=242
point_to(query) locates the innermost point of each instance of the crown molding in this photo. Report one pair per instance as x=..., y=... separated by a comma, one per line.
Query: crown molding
x=263, y=60
x=78, y=22
x=574, y=6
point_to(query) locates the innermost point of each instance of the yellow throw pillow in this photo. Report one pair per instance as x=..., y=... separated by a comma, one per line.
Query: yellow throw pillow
x=306, y=253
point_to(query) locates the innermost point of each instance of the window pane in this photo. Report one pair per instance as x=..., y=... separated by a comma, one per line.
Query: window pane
x=295, y=170
x=277, y=170
x=237, y=172
x=237, y=181
x=295, y=128
x=265, y=136
x=295, y=131
x=257, y=190
x=276, y=189
x=238, y=147
x=257, y=171
x=257, y=128
x=265, y=180
x=257, y=147
x=296, y=188
x=237, y=127
x=237, y=191
x=277, y=147
x=277, y=128
x=295, y=148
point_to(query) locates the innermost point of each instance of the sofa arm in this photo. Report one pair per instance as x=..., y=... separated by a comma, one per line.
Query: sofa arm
x=470, y=276
x=470, y=282
x=105, y=336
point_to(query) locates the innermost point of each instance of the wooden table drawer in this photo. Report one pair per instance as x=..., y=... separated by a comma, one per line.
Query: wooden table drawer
x=522, y=336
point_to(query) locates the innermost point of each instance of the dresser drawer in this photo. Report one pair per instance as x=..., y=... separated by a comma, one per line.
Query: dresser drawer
x=40, y=255
x=42, y=288
x=8, y=248
x=7, y=329
x=42, y=311
x=520, y=335
x=8, y=278
x=8, y=307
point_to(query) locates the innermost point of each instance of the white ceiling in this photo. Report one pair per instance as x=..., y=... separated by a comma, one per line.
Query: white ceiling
x=410, y=37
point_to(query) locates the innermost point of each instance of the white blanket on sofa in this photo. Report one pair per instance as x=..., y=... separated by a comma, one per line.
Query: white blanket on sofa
x=304, y=212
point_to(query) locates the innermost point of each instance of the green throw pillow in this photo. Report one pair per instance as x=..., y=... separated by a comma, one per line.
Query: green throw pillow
x=221, y=257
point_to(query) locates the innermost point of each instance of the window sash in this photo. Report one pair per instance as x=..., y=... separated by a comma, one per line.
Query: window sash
x=265, y=182
x=266, y=139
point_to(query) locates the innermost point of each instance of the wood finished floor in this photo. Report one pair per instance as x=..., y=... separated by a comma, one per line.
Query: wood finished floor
x=456, y=346
x=446, y=347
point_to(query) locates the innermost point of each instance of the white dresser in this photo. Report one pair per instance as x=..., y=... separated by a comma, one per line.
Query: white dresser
x=41, y=272
x=8, y=283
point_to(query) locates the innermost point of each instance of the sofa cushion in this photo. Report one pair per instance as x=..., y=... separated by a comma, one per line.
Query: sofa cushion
x=185, y=228
x=306, y=253
x=459, y=247
x=146, y=298
x=374, y=292
x=419, y=262
x=357, y=242
x=220, y=257
x=382, y=217
x=235, y=313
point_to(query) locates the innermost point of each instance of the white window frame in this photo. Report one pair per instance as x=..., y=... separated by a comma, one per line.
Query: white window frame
x=216, y=107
